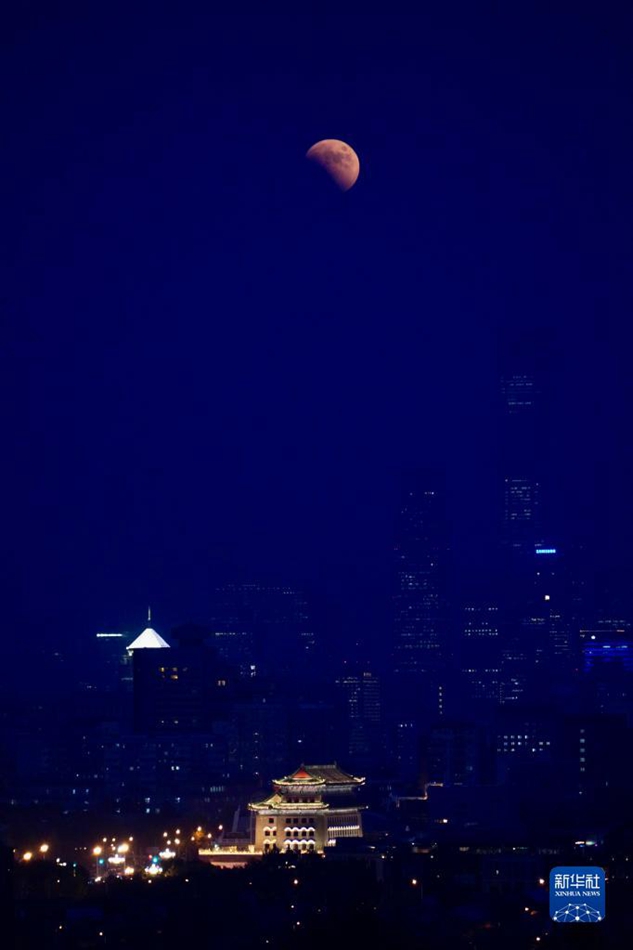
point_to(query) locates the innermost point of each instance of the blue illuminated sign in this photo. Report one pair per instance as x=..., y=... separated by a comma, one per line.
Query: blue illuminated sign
x=576, y=895
x=546, y=550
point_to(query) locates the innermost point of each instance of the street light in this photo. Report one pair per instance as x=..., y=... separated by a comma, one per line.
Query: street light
x=43, y=848
x=27, y=855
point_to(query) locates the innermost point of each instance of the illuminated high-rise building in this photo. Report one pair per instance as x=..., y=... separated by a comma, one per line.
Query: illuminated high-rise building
x=263, y=628
x=420, y=619
x=421, y=566
x=539, y=648
x=176, y=688
x=525, y=377
x=362, y=698
x=480, y=652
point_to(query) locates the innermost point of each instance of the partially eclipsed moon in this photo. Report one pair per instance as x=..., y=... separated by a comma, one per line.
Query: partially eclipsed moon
x=338, y=159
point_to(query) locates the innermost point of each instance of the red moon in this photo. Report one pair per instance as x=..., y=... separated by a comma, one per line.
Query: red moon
x=338, y=159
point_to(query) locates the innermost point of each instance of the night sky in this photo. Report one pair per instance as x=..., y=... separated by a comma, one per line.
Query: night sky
x=214, y=364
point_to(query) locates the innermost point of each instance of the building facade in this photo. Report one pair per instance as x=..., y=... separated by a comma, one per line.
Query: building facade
x=308, y=811
x=525, y=368
x=421, y=564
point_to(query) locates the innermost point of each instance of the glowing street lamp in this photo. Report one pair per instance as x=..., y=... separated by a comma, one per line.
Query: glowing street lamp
x=43, y=848
x=97, y=851
x=27, y=855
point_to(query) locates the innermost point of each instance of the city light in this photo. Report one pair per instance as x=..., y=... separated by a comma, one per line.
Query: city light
x=500, y=650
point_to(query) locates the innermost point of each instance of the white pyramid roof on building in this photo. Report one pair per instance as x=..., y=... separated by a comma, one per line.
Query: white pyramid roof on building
x=149, y=639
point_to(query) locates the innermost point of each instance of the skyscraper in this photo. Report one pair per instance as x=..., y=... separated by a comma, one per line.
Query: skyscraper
x=361, y=693
x=265, y=627
x=480, y=652
x=420, y=619
x=535, y=633
x=421, y=563
x=176, y=688
x=525, y=361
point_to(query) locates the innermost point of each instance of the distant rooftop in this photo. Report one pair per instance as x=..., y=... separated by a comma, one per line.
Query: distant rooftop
x=149, y=639
x=320, y=774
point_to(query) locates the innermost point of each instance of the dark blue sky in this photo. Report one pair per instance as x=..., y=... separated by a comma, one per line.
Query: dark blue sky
x=214, y=365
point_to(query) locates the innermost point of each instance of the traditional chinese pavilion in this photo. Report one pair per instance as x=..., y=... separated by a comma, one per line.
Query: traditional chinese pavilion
x=308, y=810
